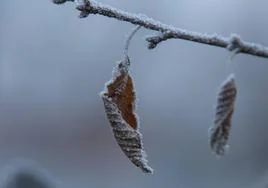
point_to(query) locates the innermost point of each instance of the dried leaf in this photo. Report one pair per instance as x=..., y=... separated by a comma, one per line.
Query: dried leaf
x=125, y=100
x=119, y=102
x=220, y=132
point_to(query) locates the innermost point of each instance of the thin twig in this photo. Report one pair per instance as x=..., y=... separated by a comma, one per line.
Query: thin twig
x=168, y=31
x=129, y=37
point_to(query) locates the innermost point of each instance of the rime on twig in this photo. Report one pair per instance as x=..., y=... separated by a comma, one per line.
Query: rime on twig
x=220, y=132
x=166, y=31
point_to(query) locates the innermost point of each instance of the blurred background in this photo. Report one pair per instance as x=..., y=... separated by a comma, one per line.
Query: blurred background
x=53, y=66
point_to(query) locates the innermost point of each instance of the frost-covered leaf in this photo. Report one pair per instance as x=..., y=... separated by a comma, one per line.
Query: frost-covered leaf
x=220, y=132
x=119, y=101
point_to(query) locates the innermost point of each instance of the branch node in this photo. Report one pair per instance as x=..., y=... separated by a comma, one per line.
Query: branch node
x=153, y=41
x=84, y=8
x=235, y=43
x=58, y=2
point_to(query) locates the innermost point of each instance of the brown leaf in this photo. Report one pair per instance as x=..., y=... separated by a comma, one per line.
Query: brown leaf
x=125, y=100
x=119, y=102
x=220, y=132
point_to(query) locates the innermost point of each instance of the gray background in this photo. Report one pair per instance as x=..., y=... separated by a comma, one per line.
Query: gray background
x=53, y=66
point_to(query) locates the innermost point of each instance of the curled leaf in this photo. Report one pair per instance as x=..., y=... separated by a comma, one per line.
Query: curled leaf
x=220, y=132
x=119, y=102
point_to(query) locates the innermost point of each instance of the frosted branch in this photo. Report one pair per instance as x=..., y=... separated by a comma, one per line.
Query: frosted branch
x=232, y=43
x=168, y=31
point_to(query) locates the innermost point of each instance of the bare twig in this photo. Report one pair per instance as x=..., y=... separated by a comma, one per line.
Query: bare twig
x=168, y=31
x=129, y=37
